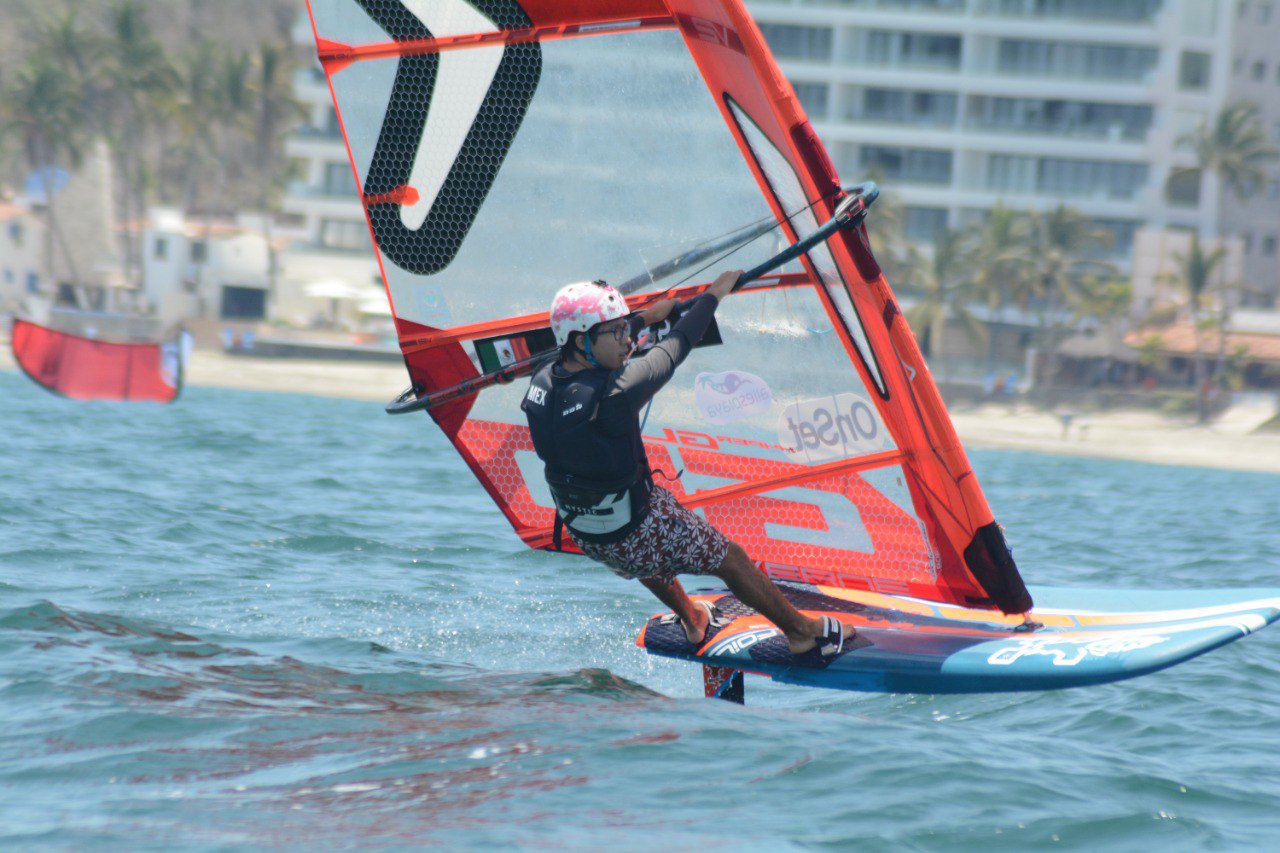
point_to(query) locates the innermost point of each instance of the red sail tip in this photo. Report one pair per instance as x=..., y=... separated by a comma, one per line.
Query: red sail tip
x=400, y=195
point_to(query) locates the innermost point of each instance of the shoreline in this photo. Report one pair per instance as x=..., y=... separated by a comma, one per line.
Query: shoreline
x=1127, y=434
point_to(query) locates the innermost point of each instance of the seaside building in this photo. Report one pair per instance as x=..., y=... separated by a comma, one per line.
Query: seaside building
x=963, y=104
x=21, y=239
x=196, y=269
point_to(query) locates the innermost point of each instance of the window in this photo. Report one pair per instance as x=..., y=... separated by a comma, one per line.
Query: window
x=1237, y=66
x=789, y=41
x=1264, y=13
x=1093, y=61
x=8, y=276
x=1090, y=10
x=1061, y=118
x=338, y=180
x=340, y=234
x=1269, y=245
x=1259, y=70
x=1247, y=239
x=243, y=303
x=1193, y=70
x=905, y=107
x=813, y=97
x=33, y=282
x=1011, y=173
x=911, y=165
x=1122, y=232
x=161, y=251
x=1113, y=179
x=199, y=251
x=1183, y=188
x=15, y=233
x=925, y=50
x=925, y=223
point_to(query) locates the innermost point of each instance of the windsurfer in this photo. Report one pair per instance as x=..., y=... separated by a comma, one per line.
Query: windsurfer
x=584, y=416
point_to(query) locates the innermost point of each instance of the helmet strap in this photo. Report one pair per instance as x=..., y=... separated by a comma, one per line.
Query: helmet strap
x=586, y=351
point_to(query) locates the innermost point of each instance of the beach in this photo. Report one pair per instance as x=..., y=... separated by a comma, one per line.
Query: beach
x=1132, y=434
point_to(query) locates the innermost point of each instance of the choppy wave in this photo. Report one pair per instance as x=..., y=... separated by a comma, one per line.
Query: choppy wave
x=255, y=619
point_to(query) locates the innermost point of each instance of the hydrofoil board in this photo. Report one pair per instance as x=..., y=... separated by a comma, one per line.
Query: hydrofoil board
x=908, y=645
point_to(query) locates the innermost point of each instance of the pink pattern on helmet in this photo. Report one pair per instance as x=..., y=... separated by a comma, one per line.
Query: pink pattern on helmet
x=579, y=306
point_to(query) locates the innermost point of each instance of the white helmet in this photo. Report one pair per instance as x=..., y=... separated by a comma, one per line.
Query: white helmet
x=579, y=306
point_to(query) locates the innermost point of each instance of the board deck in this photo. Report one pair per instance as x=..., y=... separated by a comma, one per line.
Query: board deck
x=907, y=645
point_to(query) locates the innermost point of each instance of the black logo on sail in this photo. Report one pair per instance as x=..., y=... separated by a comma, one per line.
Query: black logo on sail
x=448, y=126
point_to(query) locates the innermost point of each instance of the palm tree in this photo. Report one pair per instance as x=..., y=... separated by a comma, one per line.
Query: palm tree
x=942, y=287
x=140, y=83
x=1233, y=146
x=1001, y=271
x=276, y=112
x=1064, y=272
x=193, y=109
x=233, y=105
x=43, y=107
x=61, y=34
x=887, y=230
x=1196, y=272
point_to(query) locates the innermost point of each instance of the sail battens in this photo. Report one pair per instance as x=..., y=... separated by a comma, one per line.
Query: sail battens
x=796, y=478
x=338, y=56
x=495, y=167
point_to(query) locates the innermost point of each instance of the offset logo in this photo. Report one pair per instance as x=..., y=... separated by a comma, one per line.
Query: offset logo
x=1071, y=652
x=828, y=428
x=734, y=395
x=448, y=126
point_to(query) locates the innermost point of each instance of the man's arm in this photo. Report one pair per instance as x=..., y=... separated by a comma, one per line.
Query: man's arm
x=643, y=377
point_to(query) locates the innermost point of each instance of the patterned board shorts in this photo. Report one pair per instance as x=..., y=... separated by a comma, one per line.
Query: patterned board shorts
x=671, y=540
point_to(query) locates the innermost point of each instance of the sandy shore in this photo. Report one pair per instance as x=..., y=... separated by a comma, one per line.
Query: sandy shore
x=1137, y=435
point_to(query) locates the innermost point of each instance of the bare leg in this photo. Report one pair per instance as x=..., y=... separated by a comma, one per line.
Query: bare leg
x=693, y=618
x=758, y=592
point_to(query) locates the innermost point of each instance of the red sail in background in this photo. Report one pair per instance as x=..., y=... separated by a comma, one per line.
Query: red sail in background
x=84, y=369
x=504, y=147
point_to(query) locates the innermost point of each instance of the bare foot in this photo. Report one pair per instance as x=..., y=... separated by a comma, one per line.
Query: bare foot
x=697, y=632
x=801, y=643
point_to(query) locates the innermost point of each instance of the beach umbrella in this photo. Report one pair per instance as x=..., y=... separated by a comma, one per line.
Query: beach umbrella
x=377, y=307
x=334, y=288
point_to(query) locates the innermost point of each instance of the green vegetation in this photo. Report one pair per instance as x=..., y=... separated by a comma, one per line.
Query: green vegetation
x=1046, y=264
x=193, y=100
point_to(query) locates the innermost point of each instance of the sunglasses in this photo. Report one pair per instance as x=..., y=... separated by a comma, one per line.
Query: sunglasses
x=621, y=332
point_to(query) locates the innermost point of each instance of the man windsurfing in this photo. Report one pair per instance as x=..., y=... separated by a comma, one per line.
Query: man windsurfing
x=584, y=416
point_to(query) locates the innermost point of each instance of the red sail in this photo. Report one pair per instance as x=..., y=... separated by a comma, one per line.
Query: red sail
x=86, y=369
x=505, y=147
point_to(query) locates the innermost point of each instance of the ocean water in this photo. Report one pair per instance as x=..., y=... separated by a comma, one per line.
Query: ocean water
x=253, y=619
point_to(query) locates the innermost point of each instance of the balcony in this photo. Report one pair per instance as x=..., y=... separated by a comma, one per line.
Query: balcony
x=1136, y=12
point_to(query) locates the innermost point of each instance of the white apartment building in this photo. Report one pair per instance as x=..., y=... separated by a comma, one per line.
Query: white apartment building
x=960, y=105
x=1255, y=76
x=963, y=104
x=331, y=238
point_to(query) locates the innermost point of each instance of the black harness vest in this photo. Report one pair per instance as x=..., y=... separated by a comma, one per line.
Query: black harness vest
x=597, y=471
